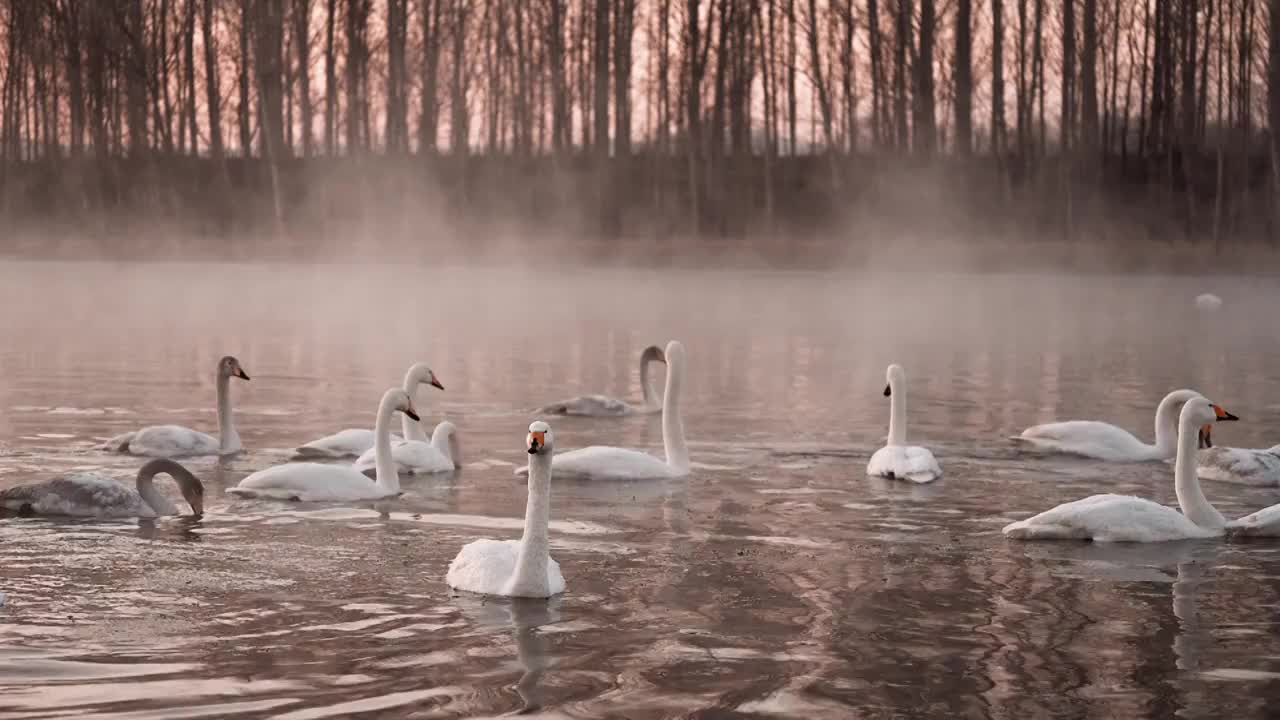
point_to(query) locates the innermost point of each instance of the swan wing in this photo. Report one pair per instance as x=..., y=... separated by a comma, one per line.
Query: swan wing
x=1090, y=438
x=484, y=566
x=903, y=462
x=350, y=442
x=1108, y=518
x=589, y=406
x=600, y=462
x=308, y=482
x=1239, y=465
x=169, y=441
x=80, y=495
x=1264, y=523
x=412, y=457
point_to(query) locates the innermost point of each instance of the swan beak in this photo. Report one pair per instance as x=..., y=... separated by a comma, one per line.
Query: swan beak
x=413, y=414
x=887, y=393
x=1205, y=441
x=536, y=441
x=1223, y=414
x=240, y=373
x=436, y=384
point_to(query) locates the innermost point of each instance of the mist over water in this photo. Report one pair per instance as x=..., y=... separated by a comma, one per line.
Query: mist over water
x=777, y=580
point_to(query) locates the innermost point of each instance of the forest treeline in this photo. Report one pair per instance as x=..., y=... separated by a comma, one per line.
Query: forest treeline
x=1113, y=121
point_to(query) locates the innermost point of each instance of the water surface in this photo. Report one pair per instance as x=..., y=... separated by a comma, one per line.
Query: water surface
x=777, y=580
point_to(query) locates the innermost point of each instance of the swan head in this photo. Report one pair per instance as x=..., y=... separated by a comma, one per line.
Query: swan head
x=893, y=375
x=401, y=401
x=424, y=375
x=540, y=440
x=1206, y=429
x=1201, y=414
x=652, y=353
x=674, y=352
x=229, y=366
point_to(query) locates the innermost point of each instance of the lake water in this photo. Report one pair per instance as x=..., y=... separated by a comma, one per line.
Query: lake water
x=776, y=581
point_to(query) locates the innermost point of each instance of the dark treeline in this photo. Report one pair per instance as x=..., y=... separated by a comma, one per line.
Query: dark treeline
x=1108, y=120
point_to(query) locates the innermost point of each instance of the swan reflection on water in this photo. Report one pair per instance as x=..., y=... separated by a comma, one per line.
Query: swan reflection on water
x=524, y=618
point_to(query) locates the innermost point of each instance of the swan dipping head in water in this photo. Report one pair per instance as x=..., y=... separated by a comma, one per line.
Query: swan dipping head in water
x=95, y=495
x=517, y=568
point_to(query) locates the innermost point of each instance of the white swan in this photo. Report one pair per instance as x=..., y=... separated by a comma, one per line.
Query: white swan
x=354, y=442
x=1208, y=302
x=524, y=567
x=897, y=459
x=1121, y=518
x=1104, y=441
x=178, y=441
x=605, y=406
x=1237, y=465
x=309, y=481
x=612, y=463
x=420, y=457
x=94, y=495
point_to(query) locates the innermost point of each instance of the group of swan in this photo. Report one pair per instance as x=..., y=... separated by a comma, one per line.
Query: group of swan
x=524, y=568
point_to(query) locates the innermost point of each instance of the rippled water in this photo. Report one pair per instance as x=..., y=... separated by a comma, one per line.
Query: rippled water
x=777, y=580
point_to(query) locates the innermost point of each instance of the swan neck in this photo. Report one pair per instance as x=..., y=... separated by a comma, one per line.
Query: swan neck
x=1186, y=484
x=1167, y=430
x=228, y=438
x=897, y=413
x=411, y=429
x=648, y=391
x=152, y=496
x=385, y=473
x=534, y=557
x=673, y=441
x=443, y=440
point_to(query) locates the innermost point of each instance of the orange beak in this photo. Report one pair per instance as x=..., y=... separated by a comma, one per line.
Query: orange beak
x=1223, y=414
x=536, y=441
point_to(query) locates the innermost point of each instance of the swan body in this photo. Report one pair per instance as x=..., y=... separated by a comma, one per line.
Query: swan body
x=418, y=457
x=600, y=462
x=1121, y=518
x=524, y=567
x=1264, y=523
x=897, y=460
x=1104, y=441
x=318, y=482
x=1241, y=465
x=354, y=442
x=168, y=441
x=1208, y=302
x=94, y=495
x=605, y=406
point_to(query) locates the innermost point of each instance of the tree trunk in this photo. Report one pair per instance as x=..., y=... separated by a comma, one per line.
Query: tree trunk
x=877, y=73
x=791, y=76
x=559, y=95
x=1068, y=103
x=964, y=78
x=330, y=81
x=459, y=131
x=624, y=23
x=901, y=52
x=923, y=118
x=428, y=125
x=1089, y=78
x=397, y=89
x=213, y=95
x=997, y=78
x=819, y=77
x=242, y=109
x=269, y=34
x=136, y=80
x=302, y=41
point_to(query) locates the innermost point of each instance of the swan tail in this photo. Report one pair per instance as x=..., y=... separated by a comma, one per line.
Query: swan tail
x=1024, y=530
x=314, y=453
x=119, y=443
